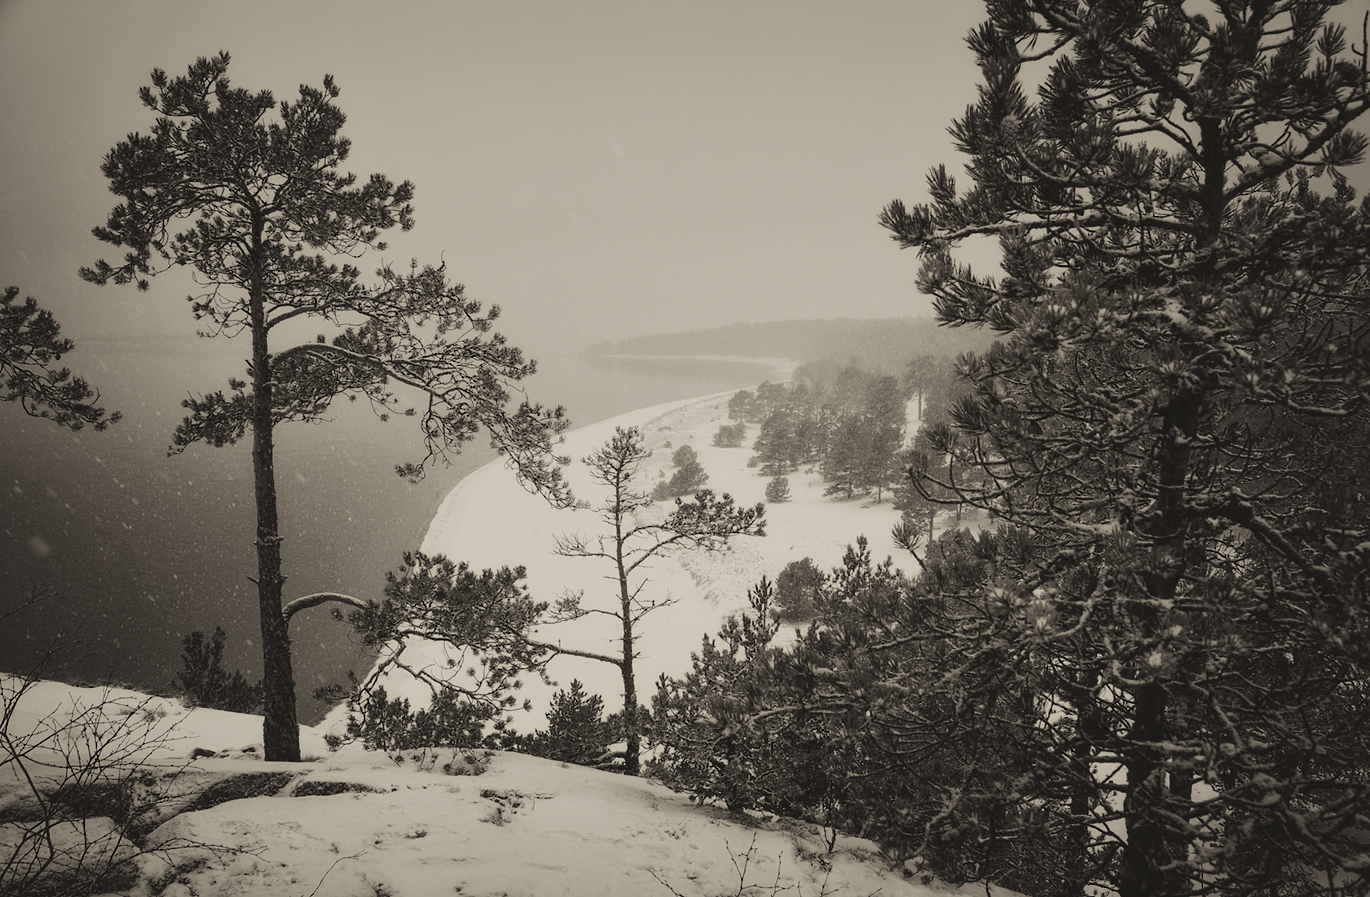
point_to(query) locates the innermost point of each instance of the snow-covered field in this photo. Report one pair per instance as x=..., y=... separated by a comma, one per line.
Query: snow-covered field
x=363, y=823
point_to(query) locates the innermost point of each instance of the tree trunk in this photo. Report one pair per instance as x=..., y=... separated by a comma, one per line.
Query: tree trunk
x=1149, y=842
x=632, y=754
x=280, y=728
x=1147, y=849
x=625, y=603
x=1090, y=731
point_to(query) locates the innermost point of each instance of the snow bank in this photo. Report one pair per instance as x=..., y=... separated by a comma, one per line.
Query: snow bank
x=527, y=827
x=356, y=823
x=134, y=728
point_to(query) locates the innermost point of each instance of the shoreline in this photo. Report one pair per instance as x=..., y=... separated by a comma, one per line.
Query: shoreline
x=449, y=505
x=781, y=368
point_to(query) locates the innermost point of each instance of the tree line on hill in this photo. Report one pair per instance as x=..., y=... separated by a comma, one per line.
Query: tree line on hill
x=881, y=345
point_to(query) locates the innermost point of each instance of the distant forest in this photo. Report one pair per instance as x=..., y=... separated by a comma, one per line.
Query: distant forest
x=882, y=345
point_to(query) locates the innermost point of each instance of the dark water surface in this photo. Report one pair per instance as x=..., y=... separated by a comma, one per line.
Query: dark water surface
x=138, y=549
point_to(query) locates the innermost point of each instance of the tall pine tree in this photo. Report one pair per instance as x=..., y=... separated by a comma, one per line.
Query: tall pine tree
x=1178, y=402
x=247, y=194
x=883, y=426
x=631, y=538
x=1180, y=386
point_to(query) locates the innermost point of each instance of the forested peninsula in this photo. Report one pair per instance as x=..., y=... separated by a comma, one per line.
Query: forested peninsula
x=881, y=345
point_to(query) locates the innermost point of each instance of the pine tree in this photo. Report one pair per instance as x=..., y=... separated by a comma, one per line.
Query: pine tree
x=848, y=391
x=741, y=406
x=770, y=398
x=841, y=724
x=576, y=731
x=687, y=479
x=704, y=743
x=776, y=444
x=706, y=522
x=383, y=723
x=30, y=346
x=917, y=493
x=466, y=637
x=811, y=434
x=269, y=226
x=207, y=683
x=1179, y=393
x=883, y=433
x=846, y=450
x=920, y=376
x=796, y=591
x=730, y=435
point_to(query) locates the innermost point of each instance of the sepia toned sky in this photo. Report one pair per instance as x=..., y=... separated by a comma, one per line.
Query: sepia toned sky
x=599, y=169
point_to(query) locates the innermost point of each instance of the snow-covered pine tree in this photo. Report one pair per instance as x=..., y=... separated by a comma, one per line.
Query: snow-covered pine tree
x=688, y=478
x=464, y=636
x=730, y=435
x=796, y=590
x=776, y=444
x=842, y=463
x=778, y=490
x=576, y=730
x=703, y=742
x=1171, y=429
x=883, y=418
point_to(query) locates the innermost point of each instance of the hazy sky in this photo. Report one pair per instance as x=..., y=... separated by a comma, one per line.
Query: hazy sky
x=598, y=169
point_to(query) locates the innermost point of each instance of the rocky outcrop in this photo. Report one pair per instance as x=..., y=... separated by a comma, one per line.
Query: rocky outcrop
x=160, y=798
x=79, y=833
x=85, y=837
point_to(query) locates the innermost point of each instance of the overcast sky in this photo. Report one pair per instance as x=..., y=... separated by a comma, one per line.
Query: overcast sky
x=598, y=169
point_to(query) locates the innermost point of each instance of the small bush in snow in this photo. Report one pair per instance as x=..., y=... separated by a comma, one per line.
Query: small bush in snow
x=778, y=490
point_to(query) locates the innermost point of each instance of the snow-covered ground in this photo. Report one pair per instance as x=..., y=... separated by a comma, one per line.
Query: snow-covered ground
x=488, y=520
x=422, y=824
x=359, y=824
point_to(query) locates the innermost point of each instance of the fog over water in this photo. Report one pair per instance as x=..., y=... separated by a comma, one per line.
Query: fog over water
x=138, y=549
